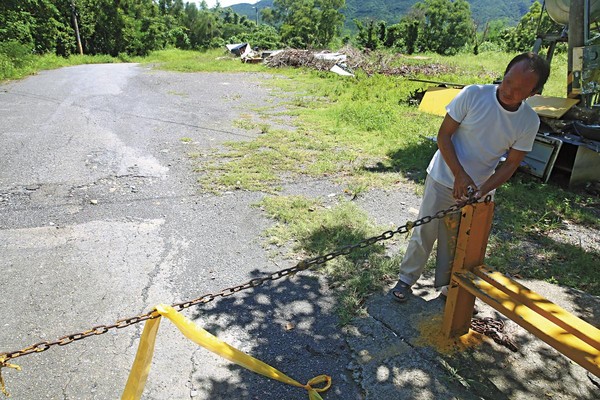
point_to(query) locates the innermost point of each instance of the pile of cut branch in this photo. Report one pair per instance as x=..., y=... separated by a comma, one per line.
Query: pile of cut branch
x=369, y=62
x=298, y=58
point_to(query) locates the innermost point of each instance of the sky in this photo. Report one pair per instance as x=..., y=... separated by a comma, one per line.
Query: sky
x=224, y=3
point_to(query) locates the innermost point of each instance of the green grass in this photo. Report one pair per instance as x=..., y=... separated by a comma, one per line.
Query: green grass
x=217, y=60
x=358, y=131
x=528, y=213
x=31, y=64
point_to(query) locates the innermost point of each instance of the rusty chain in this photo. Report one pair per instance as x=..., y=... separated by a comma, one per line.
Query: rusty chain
x=207, y=298
x=493, y=328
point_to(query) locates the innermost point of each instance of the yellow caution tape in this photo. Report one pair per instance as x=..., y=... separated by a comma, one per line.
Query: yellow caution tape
x=143, y=360
x=4, y=364
x=141, y=366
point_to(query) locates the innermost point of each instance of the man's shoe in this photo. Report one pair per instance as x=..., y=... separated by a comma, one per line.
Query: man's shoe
x=401, y=291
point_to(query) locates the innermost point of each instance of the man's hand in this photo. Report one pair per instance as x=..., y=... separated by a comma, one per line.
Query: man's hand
x=462, y=183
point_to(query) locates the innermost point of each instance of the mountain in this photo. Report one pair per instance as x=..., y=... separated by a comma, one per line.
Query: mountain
x=392, y=10
x=249, y=10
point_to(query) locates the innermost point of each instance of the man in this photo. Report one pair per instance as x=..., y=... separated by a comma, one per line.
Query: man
x=482, y=123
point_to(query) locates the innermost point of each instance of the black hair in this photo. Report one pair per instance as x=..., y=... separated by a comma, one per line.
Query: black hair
x=536, y=64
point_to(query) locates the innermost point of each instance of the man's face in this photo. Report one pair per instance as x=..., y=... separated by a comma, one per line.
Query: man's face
x=517, y=85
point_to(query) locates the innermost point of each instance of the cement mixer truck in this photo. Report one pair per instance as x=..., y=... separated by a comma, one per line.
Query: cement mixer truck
x=582, y=22
x=567, y=147
x=558, y=10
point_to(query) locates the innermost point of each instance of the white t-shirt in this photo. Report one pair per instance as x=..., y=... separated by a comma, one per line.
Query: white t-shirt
x=486, y=132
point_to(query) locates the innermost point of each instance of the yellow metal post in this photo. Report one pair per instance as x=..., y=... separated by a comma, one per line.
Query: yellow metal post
x=473, y=234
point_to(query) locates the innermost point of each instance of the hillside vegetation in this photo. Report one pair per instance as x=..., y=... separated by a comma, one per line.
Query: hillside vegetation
x=137, y=27
x=391, y=11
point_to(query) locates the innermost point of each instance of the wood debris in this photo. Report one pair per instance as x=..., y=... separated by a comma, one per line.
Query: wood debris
x=369, y=62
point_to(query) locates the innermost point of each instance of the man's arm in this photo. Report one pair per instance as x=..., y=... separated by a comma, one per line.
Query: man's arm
x=503, y=173
x=462, y=180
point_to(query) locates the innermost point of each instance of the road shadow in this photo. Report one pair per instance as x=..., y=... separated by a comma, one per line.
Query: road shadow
x=291, y=325
x=412, y=368
x=534, y=370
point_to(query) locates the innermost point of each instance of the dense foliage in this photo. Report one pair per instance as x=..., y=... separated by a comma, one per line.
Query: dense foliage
x=391, y=11
x=447, y=27
x=136, y=27
x=527, y=30
x=308, y=23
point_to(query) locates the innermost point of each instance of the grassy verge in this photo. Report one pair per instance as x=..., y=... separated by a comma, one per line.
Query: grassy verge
x=198, y=61
x=25, y=65
x=17, y=62
x=529, y=218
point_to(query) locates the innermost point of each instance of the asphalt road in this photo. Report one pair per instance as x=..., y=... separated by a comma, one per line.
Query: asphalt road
x=101, y=218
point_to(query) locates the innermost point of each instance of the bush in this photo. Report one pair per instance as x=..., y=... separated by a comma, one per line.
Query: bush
x=7, y=69
x=14, y=56
x=16, y=53
x=487, y=47
x=263, y=37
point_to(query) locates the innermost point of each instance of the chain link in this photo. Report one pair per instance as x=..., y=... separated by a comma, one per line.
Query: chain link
x=493, y=328
x=207, y=298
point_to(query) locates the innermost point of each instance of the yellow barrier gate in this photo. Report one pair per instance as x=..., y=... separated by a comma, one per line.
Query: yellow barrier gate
x=567, y=333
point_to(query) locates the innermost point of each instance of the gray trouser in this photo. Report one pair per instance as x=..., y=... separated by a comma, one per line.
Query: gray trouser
x=435, y=198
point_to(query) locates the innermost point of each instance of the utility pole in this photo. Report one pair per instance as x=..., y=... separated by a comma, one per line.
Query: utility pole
x=74, y=15
x=256, y=9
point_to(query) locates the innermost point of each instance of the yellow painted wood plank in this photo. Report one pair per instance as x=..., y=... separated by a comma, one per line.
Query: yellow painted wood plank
x=459, y=303
x=565, y=342
x=551, y=107
x=436, y=99
x=541, y=305
x=471, y=243
x=478, y=233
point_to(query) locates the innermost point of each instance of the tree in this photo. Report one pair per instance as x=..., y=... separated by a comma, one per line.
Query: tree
x=237, y=29
x=411, y=25
x=203, y=26
x=531, y=25
x=262, y=36
x=308, y=23
x=330, y=20
x=37, y=24
x=175, y=32
x=368, y=35
x=267, y=16
x=447, y=25
x=495, y=29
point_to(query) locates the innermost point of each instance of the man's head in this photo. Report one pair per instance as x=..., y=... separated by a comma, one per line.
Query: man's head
x=525, y=76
